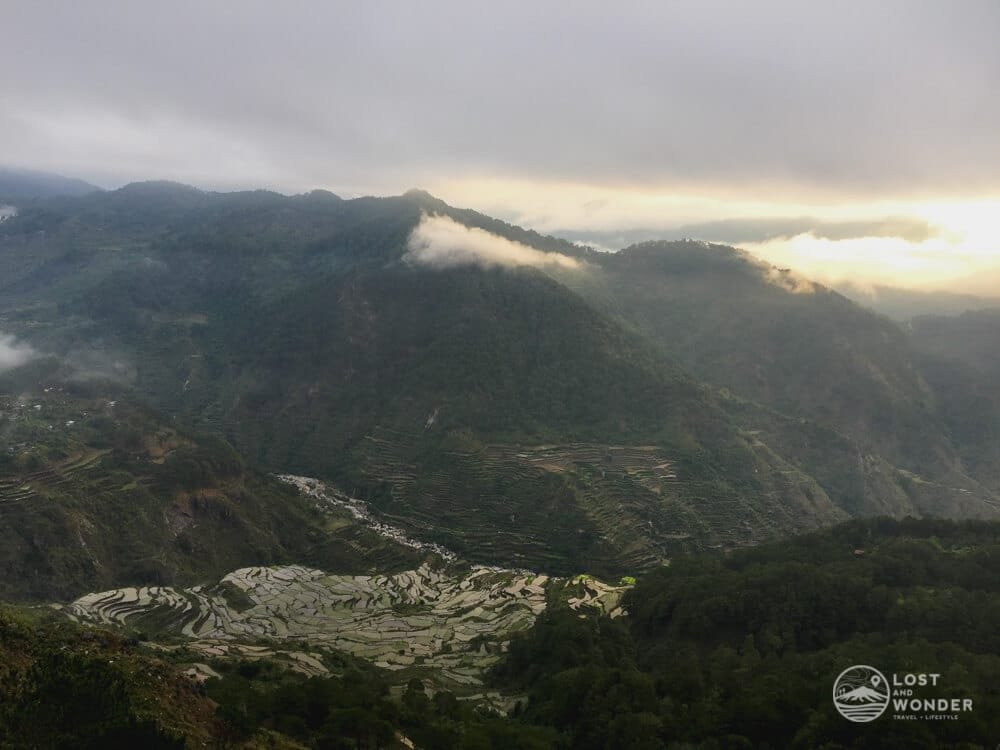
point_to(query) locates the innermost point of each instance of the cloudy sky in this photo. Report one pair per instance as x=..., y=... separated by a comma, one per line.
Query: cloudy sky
x=844, y=138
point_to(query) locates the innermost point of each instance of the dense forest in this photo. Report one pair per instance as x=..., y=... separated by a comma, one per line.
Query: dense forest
x=302, y=330
x=453, y=376
x=716, y=651
x=742, y=651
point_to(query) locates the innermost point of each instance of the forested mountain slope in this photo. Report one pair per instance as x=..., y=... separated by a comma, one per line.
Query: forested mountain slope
x=18, y=186
x=743, y=651
x=96, y=490
x=804, y=352
x=960, y=357
x=529, y=414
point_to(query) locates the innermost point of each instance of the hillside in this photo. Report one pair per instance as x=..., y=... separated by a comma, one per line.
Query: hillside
x=480, y=395
x=62, y=686
x=736, y=650
x=779, y=340
x=905, y=304
x=97, y=491
x=795, y=349
x=960, y=357
x=298, y=328
x=599, y=414
x=743, y=651
x=18, y=186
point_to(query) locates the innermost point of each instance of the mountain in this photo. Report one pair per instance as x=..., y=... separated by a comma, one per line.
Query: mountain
x=743, y=650
x=904, y=304
x=970, y=340
x=960, y=357
x=20, y=185
x=774, y=338
x=96, y=490
x=601, y=413
x=63, y=686
x=737, y=650
x=830, y=386
x=436, y=375
x=297, y=328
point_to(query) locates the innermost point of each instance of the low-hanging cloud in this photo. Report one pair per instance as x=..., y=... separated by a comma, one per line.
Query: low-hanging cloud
x=789, y=280
x=14, y=353
x=754, y=230
x=441, y=242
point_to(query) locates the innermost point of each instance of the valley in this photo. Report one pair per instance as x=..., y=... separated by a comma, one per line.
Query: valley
x=444, y=621
x=603, y=414
x=329, y=498
x=261, y=442
x=457, y=376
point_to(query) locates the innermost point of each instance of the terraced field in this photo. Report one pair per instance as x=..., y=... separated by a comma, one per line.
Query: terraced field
x=52, y=420
x=444, y=618
x=453, y=622
x=643, y=464
x=15, y=491
x=98, y=492
x=610, y=509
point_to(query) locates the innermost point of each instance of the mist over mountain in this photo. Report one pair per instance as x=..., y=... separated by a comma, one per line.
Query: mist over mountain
x=903, y=304
x=442, y=390
x=417, y=354
x=685, y=437
x=18, y=185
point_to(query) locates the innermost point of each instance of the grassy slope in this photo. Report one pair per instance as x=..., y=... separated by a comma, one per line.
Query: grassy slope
x=95, y=492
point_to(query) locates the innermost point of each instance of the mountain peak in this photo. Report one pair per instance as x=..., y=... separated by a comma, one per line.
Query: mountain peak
x=157, y=187
x=418, y=193
x=424, y=199
x=685, y=255
x=18, y=183
x=319, y=194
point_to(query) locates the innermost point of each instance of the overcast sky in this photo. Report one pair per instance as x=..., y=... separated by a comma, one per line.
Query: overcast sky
x=799, y=129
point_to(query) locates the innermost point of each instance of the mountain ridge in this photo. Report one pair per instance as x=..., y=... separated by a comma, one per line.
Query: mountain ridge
x=301, y=329
x=17, y=185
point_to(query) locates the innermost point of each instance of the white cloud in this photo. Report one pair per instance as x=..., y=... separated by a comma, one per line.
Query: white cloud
x=441, y=242
x=789, y=281
x=936, y=263
x=13, y=353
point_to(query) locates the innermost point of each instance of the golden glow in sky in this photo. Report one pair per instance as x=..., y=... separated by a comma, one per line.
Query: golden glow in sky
x=963, y=255
x=960, y=250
